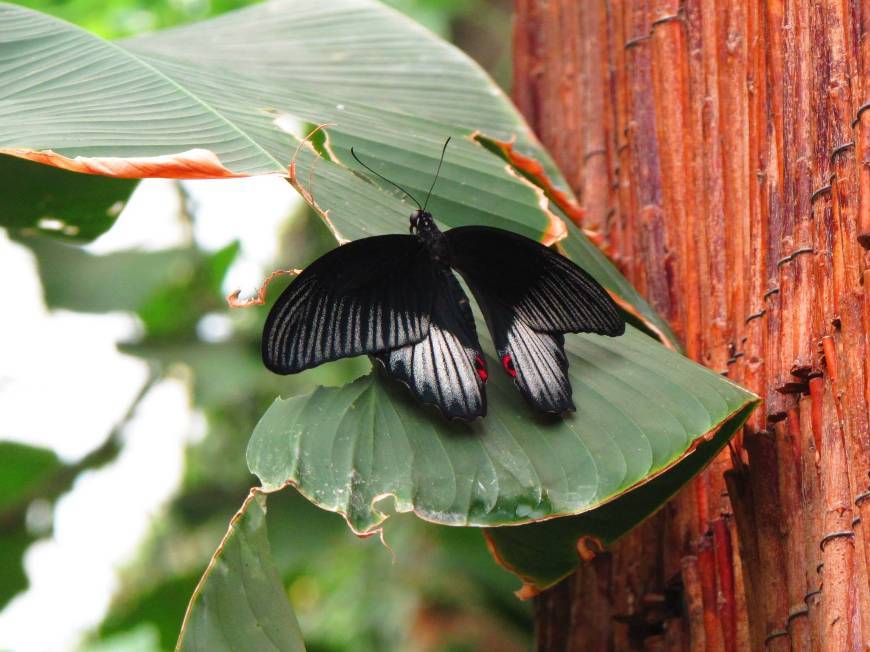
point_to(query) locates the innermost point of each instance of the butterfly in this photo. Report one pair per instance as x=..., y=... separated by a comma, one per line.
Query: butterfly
x=396, y=298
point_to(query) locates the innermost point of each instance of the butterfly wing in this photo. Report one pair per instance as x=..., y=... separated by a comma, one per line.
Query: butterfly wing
x=536, y=361
x=366, y=296
x=530, y=296
x=446, y=368
x=547, y=291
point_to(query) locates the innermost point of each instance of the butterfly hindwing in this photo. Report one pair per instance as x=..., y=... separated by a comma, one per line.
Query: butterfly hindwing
x=536, y=361
x=366, y=296
x=446, y=369
x=531, y=296
x=548, y=292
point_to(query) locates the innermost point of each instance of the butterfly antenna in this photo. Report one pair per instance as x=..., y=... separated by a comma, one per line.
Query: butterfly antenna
x=437, y=172
x=377, y=174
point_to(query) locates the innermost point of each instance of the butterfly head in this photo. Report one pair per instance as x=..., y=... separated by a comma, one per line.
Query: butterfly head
x=421, y=221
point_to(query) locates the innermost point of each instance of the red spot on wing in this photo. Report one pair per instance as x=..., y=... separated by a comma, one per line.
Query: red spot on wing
x=480, y=368
x=508, y=363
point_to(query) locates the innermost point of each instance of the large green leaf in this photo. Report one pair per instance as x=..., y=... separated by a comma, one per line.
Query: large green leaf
x=240, y=602
x=229, y=96
x=640, y=409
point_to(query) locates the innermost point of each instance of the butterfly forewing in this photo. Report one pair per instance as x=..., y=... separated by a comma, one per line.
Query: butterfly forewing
x=446, y=369
x=547, y=291
x=366, y=296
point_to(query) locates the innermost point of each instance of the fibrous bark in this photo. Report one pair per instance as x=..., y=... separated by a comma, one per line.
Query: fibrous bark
x=722, y=153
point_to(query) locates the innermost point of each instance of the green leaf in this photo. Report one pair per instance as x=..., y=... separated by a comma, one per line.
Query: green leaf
x=24, y=470
x=127, y=280
x=230, y=96
x=640, y=409
x=161, y=607
x=240, y=603
x=13, y=578
x=51, y=201
x=144, y=638
x=170, y=289
x=544, y=553
x=175, y=308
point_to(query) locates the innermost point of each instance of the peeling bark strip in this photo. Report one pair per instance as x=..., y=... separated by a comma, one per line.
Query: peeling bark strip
x=722, y=152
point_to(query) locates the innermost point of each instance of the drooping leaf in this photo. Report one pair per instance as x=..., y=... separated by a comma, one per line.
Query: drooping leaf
x=544, y=553
x=240, y=602
x=640, y=409
x=229, y=97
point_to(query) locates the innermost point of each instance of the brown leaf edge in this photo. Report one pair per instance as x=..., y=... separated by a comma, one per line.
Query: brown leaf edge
x=533, y=169
x=657, y=332
x=556, y=229
x=196, y=163
x=554, y=232
x=589, y=546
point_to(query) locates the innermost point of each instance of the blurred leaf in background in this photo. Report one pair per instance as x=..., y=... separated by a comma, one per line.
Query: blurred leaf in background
x=333, y=579
x=26, y=475
x=72, y=206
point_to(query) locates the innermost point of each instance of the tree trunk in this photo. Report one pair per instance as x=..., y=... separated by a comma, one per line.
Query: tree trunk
x=722, y=152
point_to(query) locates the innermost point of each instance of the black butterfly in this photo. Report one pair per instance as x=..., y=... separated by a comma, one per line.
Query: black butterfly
x=396, y=298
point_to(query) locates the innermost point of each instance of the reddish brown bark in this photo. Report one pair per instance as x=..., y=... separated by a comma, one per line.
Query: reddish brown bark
x=722, y=152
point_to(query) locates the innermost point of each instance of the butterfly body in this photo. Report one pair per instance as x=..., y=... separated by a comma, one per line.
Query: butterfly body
x=432, y=238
